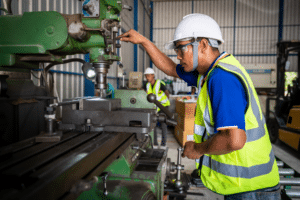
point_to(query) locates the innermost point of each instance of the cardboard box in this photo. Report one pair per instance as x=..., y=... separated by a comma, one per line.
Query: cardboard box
x=186, y=109
x=135, y=80
x=186, y=124
x=183, y=136
x=183, y=98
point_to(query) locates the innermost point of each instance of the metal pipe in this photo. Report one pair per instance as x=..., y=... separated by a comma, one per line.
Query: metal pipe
x=290, y=181
x=279, y=163
x=293, y=193
x=286, y=172
x=179, y=163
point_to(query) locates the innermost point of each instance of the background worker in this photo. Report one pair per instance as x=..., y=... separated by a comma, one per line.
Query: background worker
x=158, y=87
x=193, y=91
x=232, y=148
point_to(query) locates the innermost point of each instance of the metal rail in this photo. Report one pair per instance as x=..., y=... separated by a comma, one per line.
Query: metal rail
x=289, y=177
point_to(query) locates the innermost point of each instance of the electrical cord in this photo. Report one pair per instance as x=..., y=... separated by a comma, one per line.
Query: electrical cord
x=7, y=4
x=34, y=75
x=46, y=69
x=64, y=62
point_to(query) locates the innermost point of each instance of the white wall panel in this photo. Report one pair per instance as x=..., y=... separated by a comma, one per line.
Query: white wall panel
x=221, y=11
x=127, y=17
x=126, y=50
x=257, y=12
x=169, y=14
x=291, y=12
x=256, y=40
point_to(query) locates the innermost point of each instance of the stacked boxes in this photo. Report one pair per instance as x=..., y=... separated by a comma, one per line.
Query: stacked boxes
x=184, y=131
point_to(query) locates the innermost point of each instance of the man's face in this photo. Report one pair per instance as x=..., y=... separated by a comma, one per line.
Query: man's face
x=185, y=57
x=149, y=77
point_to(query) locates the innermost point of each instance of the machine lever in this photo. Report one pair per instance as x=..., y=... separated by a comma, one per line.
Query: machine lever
x=179, y=167
x=171, y=122
x=152, y=99
x=162, y=118
x=104, y=176
x=138, y=148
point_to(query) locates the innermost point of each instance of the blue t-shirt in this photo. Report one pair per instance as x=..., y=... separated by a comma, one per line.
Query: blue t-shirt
x=227, y=96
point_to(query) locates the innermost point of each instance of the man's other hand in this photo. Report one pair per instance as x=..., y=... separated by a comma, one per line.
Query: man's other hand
x=190, y=151
x=132, y=36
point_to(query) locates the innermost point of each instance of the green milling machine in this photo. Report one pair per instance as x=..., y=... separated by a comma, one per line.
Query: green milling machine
x=101, y=148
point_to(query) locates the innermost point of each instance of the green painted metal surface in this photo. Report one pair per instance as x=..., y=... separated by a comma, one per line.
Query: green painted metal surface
x=33, y=32
x=7, y=59
x=47, y=33
x=127, y=97
x=96, y=41
x=120, y=167
x=126, y=190
x=124, y=182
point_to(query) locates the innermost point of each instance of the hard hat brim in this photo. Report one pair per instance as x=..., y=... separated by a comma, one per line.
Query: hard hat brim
x=170, y=45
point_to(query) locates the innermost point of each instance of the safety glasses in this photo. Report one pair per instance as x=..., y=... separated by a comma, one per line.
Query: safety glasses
x=182, y=48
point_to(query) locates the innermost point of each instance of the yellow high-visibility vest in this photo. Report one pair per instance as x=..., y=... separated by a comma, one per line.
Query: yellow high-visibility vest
x=251, y=168
x=160, y=95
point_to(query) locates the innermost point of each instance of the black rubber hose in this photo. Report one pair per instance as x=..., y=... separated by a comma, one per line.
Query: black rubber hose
x=64, y=62
x=9, y=7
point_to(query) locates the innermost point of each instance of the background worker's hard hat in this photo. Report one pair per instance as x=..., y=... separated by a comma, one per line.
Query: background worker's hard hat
x=194, y=26
x=149, y=71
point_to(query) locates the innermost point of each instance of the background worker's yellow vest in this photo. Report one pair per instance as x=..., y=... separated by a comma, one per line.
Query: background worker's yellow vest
x=160, y=95
x=250, y=168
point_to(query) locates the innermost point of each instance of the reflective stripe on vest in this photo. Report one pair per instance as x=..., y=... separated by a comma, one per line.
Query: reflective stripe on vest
x=250, y=168
x=160, y=96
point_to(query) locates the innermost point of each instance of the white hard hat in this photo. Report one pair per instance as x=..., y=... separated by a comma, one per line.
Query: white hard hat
x=149, y=71
x=196, y=25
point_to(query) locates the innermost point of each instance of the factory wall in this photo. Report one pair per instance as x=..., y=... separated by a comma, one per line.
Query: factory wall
x=134, y=57
x=68, y=78
x=250, y=29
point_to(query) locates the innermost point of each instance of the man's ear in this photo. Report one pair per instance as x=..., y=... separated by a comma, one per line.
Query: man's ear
x=204, y=45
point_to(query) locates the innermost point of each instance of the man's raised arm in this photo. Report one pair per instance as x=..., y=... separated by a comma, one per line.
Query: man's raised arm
x=160, y=60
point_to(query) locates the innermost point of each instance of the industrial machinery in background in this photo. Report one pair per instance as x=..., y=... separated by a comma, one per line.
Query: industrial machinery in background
x=263, y=77
x=284, y=123
x=99, y=149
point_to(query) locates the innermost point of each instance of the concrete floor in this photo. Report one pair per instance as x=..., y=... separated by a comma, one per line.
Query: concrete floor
x=189, y=166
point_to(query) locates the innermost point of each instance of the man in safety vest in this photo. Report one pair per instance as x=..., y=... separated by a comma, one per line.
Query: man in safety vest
x=232, y=148
x=158, y=87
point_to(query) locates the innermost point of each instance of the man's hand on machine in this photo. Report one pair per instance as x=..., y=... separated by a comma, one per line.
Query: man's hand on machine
x=132, y=36
x=190, y=151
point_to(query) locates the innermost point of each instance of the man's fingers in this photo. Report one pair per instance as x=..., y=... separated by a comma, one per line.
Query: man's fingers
x=125, y=39
x=123, y=35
